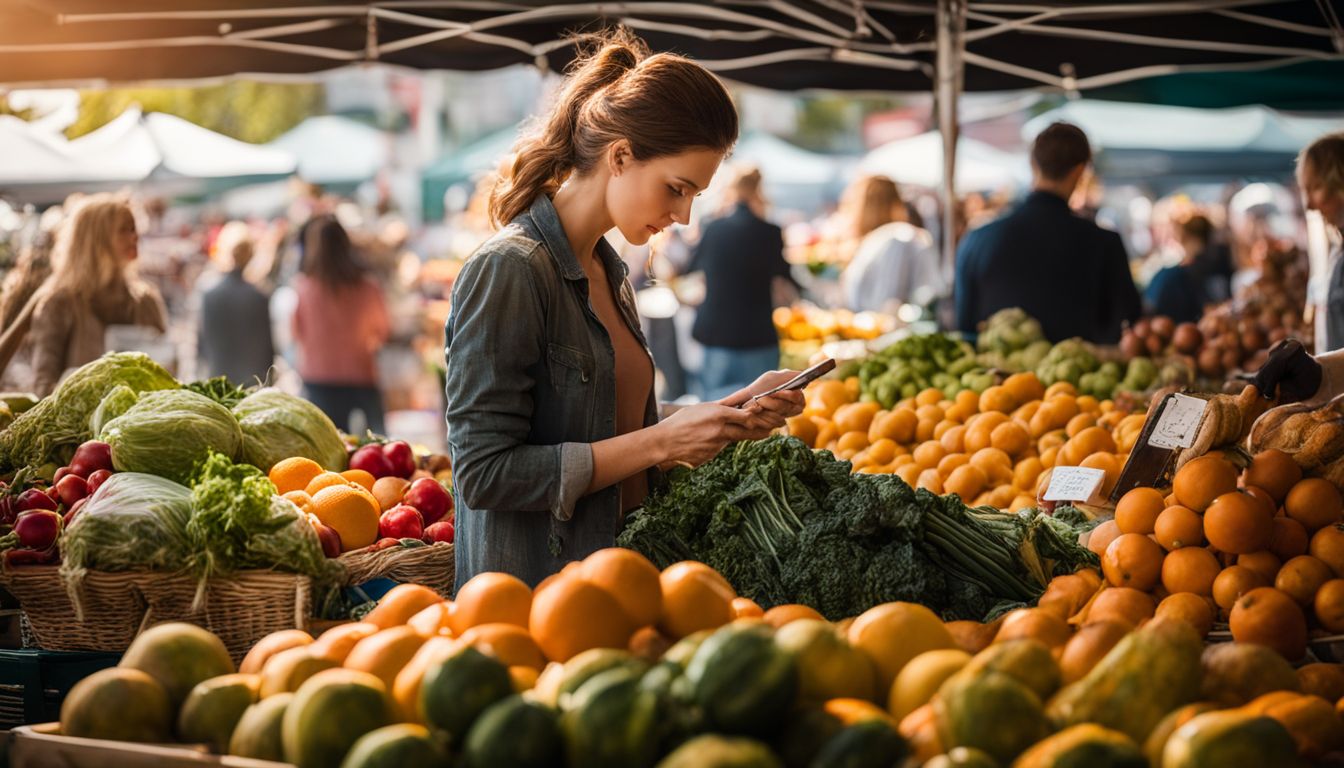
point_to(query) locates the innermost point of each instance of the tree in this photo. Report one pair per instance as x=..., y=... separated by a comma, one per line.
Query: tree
x=247, y=110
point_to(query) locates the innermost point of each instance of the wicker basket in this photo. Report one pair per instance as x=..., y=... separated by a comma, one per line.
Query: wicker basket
x=116, y=606
x=431, y=566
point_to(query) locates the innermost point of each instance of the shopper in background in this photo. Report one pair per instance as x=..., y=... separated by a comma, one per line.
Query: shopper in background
x=1060, y=268
x=93, y=285
x=234, y=334
x=1176, y=291
x=1320, y=175
x=896, y=262
x=340, y=320
x=741, y=255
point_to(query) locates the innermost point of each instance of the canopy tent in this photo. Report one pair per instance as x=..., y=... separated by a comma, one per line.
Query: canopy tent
x=173, y=154
x=336, y=151
x=919, y=160
x=462, y=165
x=1169, y=144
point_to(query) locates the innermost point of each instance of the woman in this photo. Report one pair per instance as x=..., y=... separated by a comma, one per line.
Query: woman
x=234, y=323
x=1320, y=175
x=741, y=255
x=895, y=263
x=553, y=429
x=339, y=323
x=92, y=286
x=1176, y=291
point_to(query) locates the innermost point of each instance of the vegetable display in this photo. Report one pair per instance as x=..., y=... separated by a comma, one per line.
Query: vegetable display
x=169, y=433
x=277, y=425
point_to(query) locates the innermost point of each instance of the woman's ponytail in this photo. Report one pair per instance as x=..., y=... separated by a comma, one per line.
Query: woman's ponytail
x=544, y=160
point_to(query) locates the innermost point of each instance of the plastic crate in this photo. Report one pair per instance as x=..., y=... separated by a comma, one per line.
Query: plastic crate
x=33, y=683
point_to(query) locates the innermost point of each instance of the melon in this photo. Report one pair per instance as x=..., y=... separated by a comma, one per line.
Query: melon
x=213, y=708
x=258, y=733
x=119, y=704
x=328, y=715
x=179, y=656
x=404, y=745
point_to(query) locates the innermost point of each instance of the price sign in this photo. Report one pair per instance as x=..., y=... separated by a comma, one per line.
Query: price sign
x=1074, y=484
x=1179, y=422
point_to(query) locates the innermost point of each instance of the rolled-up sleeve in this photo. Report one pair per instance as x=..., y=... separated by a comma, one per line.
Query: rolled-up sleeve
x=496, y=341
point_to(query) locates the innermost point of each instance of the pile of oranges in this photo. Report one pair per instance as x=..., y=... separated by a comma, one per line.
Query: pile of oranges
x=1261, y=549
x=343, y=501
x=992, y=448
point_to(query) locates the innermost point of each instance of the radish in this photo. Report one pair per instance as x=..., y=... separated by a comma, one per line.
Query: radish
x=37, y=528
x=440, y=531
x=90, y=457
x=400, y=458
x=34, y=498
x=70, y=489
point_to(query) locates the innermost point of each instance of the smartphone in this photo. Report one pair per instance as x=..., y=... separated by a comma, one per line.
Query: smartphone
x=799, y=381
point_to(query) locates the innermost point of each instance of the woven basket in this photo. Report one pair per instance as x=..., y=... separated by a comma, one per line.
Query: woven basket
x=117, y=606
x=431, y=566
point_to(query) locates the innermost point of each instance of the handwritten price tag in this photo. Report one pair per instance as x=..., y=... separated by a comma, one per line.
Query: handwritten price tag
x=1179, y=422
x=1074, y=484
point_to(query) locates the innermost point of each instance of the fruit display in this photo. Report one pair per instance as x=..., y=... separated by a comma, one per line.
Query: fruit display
x=803, y=328
x=1011, y=340
x=612, y=662
x=916, y=363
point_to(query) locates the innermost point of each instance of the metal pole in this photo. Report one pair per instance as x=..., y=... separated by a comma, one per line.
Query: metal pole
x=951, y=33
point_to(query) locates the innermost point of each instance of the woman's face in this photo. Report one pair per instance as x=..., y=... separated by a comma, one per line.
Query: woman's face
x=1318, y=197
x=126, y=240
x=644, y=198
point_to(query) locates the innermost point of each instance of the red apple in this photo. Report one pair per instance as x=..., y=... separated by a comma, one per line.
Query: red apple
x=90, y=457
x=401, y=522
x=428, y=496
x=34, y=499
x=70, y=489
x=440, y=531
x=370, y=458
x=60, y=473
x=330, y=539
x=400, y=457
x=37, y=528
x=97, y=478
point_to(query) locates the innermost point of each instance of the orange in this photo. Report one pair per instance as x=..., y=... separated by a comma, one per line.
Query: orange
x=325, y=480
x=1301, y=577
x=360, y=477
x=1026, y=472
x=965, y=481
x=301, y=499
x=1178, y=527
x=1202, y=480
x=1024, y=387
x=746, y=608
x=406, y=687
x=1329, y=606
x=1327, y=545
x=927, y=455
x=1090, y=645
x=1260, y=493
x=1122, y=604
x=385, y=653
x=509, y=643
x=433, y=620
x=352, y=513
x=1133, y=560
x=855, y=417
x=803, y=428
x=1233, y=582
x=400, y=604
x=950, y=462
x=791, y=612
x=335, y=643
x=1264, y=562
x=1266, y=616
x=695, y=597
x=1138, y=510
x=630, y=578
x=1275, y=471
x=1315, y=503
x=1191, y=608
x=571, y=616
x=1238, y=522
x=954, y=439
x=909, y=473
x=1079, y=423
x=294, y=473
x=1190, y=569
x=491, y=598
x=1101, y=537
x=1108, y=463
x=930, y=481
x=892, y=634
x=997, y=398
x=1038, y=624
x=929, y=396
x=1066, y=595
x=1289, y=538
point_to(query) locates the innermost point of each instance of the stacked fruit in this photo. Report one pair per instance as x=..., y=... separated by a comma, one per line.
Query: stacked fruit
x=37, y=516
x=1267, y=555
x=991, y=448
x=354, y=509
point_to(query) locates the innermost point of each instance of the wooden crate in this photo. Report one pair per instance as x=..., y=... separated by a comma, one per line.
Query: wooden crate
x=42, y=746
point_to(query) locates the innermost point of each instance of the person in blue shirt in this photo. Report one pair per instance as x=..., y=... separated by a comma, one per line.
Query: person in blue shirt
x=1062, y=269
x=1177, y=291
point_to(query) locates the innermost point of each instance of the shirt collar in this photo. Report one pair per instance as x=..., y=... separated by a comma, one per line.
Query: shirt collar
x=547, y=221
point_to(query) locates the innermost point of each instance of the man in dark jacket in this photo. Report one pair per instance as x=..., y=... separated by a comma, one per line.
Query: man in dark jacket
x=234, y=336
x=1064, y=270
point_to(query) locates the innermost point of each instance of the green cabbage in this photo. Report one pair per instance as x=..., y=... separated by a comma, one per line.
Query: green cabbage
x=169, y=433
x=115, y=403
x=51, y=430
x=277, y=426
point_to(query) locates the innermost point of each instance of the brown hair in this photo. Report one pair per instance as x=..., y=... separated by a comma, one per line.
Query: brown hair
x=1059, y=149
x=876, y=201
x=1197, y=226
x=745, y=186
x=84, y=260
x=1326, y=156
x=328, y=255
x=662, y=104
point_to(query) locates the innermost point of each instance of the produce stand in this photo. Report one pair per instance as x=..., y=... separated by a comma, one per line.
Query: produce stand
x=42, y=746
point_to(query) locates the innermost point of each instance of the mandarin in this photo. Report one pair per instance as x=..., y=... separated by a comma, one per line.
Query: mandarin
x=1190, y=569
x=1327, y=545
x=490, y=598
x=1233, y=582
x=1133, y=560
x=1202, y=480
x=1315, y=503
x=1274, y=471
x=1267, y=616
x=1237, y=522
x=1178, y=527
x=294, y=473
x=1138, y=510
x=573, y=615
x=1289, y=538
x=1122, y=604
x=1301, y=577
x=693, y=600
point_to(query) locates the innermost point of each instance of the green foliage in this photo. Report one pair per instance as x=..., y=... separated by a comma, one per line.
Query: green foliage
x=247, y=110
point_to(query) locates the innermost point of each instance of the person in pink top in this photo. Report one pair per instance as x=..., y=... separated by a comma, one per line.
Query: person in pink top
x=339, y=323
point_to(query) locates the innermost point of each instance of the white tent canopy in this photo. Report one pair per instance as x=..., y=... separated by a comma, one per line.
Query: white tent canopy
x=918, y=160
x=336, y=150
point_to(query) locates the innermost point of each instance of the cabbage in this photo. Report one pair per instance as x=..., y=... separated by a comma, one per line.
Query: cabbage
x=169, y=433
x=277, y=426
x=114, y=403
x=51, y=430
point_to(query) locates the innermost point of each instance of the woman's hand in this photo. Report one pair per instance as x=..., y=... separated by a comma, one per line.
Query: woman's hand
x=695, y=434
x=770, y=412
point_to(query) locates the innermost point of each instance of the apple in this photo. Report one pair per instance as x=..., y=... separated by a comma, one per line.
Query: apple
x=370, y=458
x=400, y=457
x=91, y=457
x=428, y=496
x=97, y=478
x=34, y=499
x=60, y=473
x=401, y=522
x=70, y=489
x=440, y=531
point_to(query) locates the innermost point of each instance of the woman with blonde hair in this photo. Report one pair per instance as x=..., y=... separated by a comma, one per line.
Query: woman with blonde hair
x=895, y=262
x=93, y=285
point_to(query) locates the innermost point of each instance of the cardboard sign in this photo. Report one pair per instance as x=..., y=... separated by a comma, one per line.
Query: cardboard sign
x=1074, y=484
x=1179, y=422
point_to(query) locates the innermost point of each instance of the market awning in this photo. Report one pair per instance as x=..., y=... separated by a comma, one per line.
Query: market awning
x=336, y=150
x=879, y=46
x=919, y=160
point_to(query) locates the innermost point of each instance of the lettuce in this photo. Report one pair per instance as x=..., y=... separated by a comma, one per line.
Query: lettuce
x=277, y=426
x=169, y=433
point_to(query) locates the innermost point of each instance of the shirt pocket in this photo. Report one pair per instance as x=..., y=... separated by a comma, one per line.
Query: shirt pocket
x=570, y=369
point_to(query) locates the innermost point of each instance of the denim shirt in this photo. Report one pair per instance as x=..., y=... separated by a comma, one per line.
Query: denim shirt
x=531, y=383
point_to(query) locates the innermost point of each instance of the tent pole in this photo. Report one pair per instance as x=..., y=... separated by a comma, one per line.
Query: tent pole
x=951, y=32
